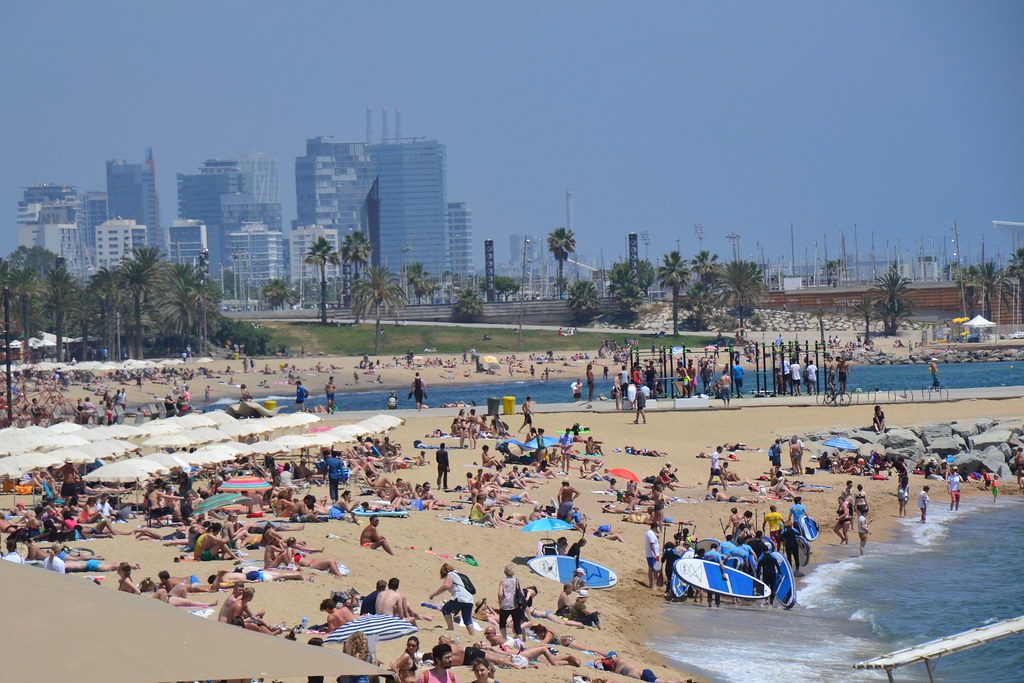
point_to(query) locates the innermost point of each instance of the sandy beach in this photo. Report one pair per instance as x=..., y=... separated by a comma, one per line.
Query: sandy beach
x=631, y=613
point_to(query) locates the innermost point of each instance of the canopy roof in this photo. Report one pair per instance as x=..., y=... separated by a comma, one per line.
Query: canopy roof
x=131, y=639
x=979, y=321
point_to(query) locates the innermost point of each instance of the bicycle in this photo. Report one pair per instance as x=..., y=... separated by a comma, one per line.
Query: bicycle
x=833, y=397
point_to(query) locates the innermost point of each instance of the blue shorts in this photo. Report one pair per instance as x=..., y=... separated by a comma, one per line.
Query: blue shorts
x=92, y=565
x=330, y=397
x=651, y=561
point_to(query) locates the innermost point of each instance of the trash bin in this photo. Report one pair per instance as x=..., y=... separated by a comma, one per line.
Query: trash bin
x=508, y=405
x=493, y=406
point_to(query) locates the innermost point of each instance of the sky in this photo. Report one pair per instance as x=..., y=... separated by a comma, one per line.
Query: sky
x=745, y=117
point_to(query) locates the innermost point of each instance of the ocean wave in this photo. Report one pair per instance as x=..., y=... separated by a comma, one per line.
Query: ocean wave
x=819, y=587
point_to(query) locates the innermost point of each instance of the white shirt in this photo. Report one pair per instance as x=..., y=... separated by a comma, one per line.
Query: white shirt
x=794, y=371
x=105, y=509
x=954, y=482
x=13, y=557
x=54, y=564
x=812, y=372
x=922, y=500
x=714, y=460
x=458, y=590
x=861, y=524
x=652, y=546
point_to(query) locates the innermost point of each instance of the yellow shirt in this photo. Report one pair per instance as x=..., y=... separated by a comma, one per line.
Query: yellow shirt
x=774, y=520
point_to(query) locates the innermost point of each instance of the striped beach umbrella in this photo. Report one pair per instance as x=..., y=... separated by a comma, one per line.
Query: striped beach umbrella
x=218, y=501
x=384, y=626
x=246, y=484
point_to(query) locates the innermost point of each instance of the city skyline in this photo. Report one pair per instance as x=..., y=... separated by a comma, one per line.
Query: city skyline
x=742, y=120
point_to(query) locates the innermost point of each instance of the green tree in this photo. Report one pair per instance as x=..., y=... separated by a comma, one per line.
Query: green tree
x=742, y=288
x=58, y=291
x=178, y=304
x=895, y=302
x=584, y=300
x=646, y=274
x=561, y=243
x=468, y=306
x=419, y=281
x=26, y=287
x=700, y=297
x=505, y=286
x=105, y=288
x=1015, y=269
x=320, y=254
x=140, y=275
x=867, y=309
x=356, y=249
x=993, y=284
x=623, y=287
x=673, y=274
x=277, y=293
x=832, y=269
x=706, y=267
x=378, y=293
x=36, y=259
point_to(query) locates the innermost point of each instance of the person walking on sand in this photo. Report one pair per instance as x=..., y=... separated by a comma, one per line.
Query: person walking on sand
x=329, y=390
x=443, y=467
x=652, y=550
x=863, y=532
x=716, y=468
x=641, y=404
x=419, y=391
x=953, y=484
x=527, y=414
x=922, y=503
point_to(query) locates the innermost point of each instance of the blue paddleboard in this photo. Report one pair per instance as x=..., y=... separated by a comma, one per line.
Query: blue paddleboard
x=785, y=582
x=705, y=544
x=678, y=586
x=808, y=528
x=729, y=582
x=562, y=568
x=805, y=552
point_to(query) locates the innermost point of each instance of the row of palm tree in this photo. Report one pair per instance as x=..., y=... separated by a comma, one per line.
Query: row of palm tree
x=168, y=302
x=355, y=249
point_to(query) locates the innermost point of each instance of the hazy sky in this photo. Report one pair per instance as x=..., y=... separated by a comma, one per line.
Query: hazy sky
x=900, y=117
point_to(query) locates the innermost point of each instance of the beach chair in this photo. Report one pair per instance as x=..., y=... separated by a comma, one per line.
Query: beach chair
x=119, y=415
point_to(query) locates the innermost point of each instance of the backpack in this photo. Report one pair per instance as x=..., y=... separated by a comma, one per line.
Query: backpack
x=466, y=583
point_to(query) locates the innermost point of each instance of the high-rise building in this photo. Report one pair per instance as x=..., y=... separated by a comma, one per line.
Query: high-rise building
x=48, y=217
x=413, y=195
x=115, y=239
x=460, y=238
x=299, y=242
x=331, y=183
x=199, y=198
x=256, y=257
x=186, y=241
x=131, y=194
x=63, y=239
x=260, y=171
x=243, y=207
x=92, y=212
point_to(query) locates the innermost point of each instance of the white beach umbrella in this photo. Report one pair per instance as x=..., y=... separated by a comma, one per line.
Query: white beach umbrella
x=155, y=427
x=181, y=459
x=354, y=430
x=381, y=423
x=136, y=469
x=75, y=455
x=219, y=417
x=202, y=361
x=220, y=452
x=109, y=448
x=264, y=448
x=66, y=428
x=246, y=428
x=193, y=420
x=11, y=467
x=206, y=435
x=292, y=442
x=170, y=441
x=50, y=441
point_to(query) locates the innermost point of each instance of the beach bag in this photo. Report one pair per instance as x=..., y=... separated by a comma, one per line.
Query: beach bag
x=467, y=584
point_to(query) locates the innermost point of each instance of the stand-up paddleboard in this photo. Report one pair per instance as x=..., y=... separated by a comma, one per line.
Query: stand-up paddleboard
x=808, y=528
x=382, y=513
x=785, y=582
x=805, y=552
x=705, y=544
x=562, y=568
x=679, y=586
x=708, y=576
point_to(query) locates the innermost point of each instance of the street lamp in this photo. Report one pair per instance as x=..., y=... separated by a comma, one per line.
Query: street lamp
x=522, y=295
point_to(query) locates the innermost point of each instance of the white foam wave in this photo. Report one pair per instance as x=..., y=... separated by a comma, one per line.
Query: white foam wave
x=819, y=587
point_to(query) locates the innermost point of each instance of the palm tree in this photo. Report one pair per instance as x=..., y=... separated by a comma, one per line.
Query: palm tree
x=701, y=298
x=969, y=284
x=894, y=301
x=866, y=308
x=833, y=270
x=993, y=284
x=276, y=292
x=673, y=274
x=82, y=308
x=105, y=288
x=706, y=266
x=419, y=281
x=378, y=293
x=140, y=275
x=320, y=254
x=742, y=287
x=178, y=304
x=561, y=243
x=59, y=289
x=468, y=306
x=356, y=249
x=26, y=287
x=1015, y=269
x=584, y=299
x=623, y=287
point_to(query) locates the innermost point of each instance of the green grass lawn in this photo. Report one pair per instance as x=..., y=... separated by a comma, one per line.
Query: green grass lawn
x=397, y=340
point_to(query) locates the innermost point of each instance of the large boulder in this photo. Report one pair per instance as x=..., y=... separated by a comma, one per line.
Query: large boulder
x=972, y=461
x=901, y=438
x=1012, y=426
x=866, y=436
x=932, y=432
x=993, y=437
x=946, y=445
x=972, y=426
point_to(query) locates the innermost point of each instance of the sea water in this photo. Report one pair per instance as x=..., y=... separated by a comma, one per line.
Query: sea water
x=557, y=390
x=958, y=571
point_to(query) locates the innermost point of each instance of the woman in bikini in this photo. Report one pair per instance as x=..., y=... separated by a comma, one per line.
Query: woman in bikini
x=407, y=663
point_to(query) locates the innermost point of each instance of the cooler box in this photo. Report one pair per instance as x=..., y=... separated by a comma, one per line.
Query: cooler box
x=508, y=405
x=493, y=406
x=270, y=404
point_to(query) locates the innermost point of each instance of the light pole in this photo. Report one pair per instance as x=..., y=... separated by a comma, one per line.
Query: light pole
x=698, y=230
x=522, y=295
x=7, y=353
x=117, y=318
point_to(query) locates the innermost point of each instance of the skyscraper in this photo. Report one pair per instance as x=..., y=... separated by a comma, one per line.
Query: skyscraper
x=413, y=194
x=48, y=217
x=299, y=241
x=260, y=171
x=92, y=212
x=199, y=198
x=331, y=183
x=115, y=239
x=257, y=256
x=131, y=194
x=460, y=238
x=187, y=241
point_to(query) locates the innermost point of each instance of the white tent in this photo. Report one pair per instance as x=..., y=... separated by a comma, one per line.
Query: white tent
x=979, y=321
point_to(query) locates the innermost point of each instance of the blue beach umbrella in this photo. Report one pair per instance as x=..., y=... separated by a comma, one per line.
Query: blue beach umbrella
x=841, y=444
x=384, y=626
x=547, y=524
